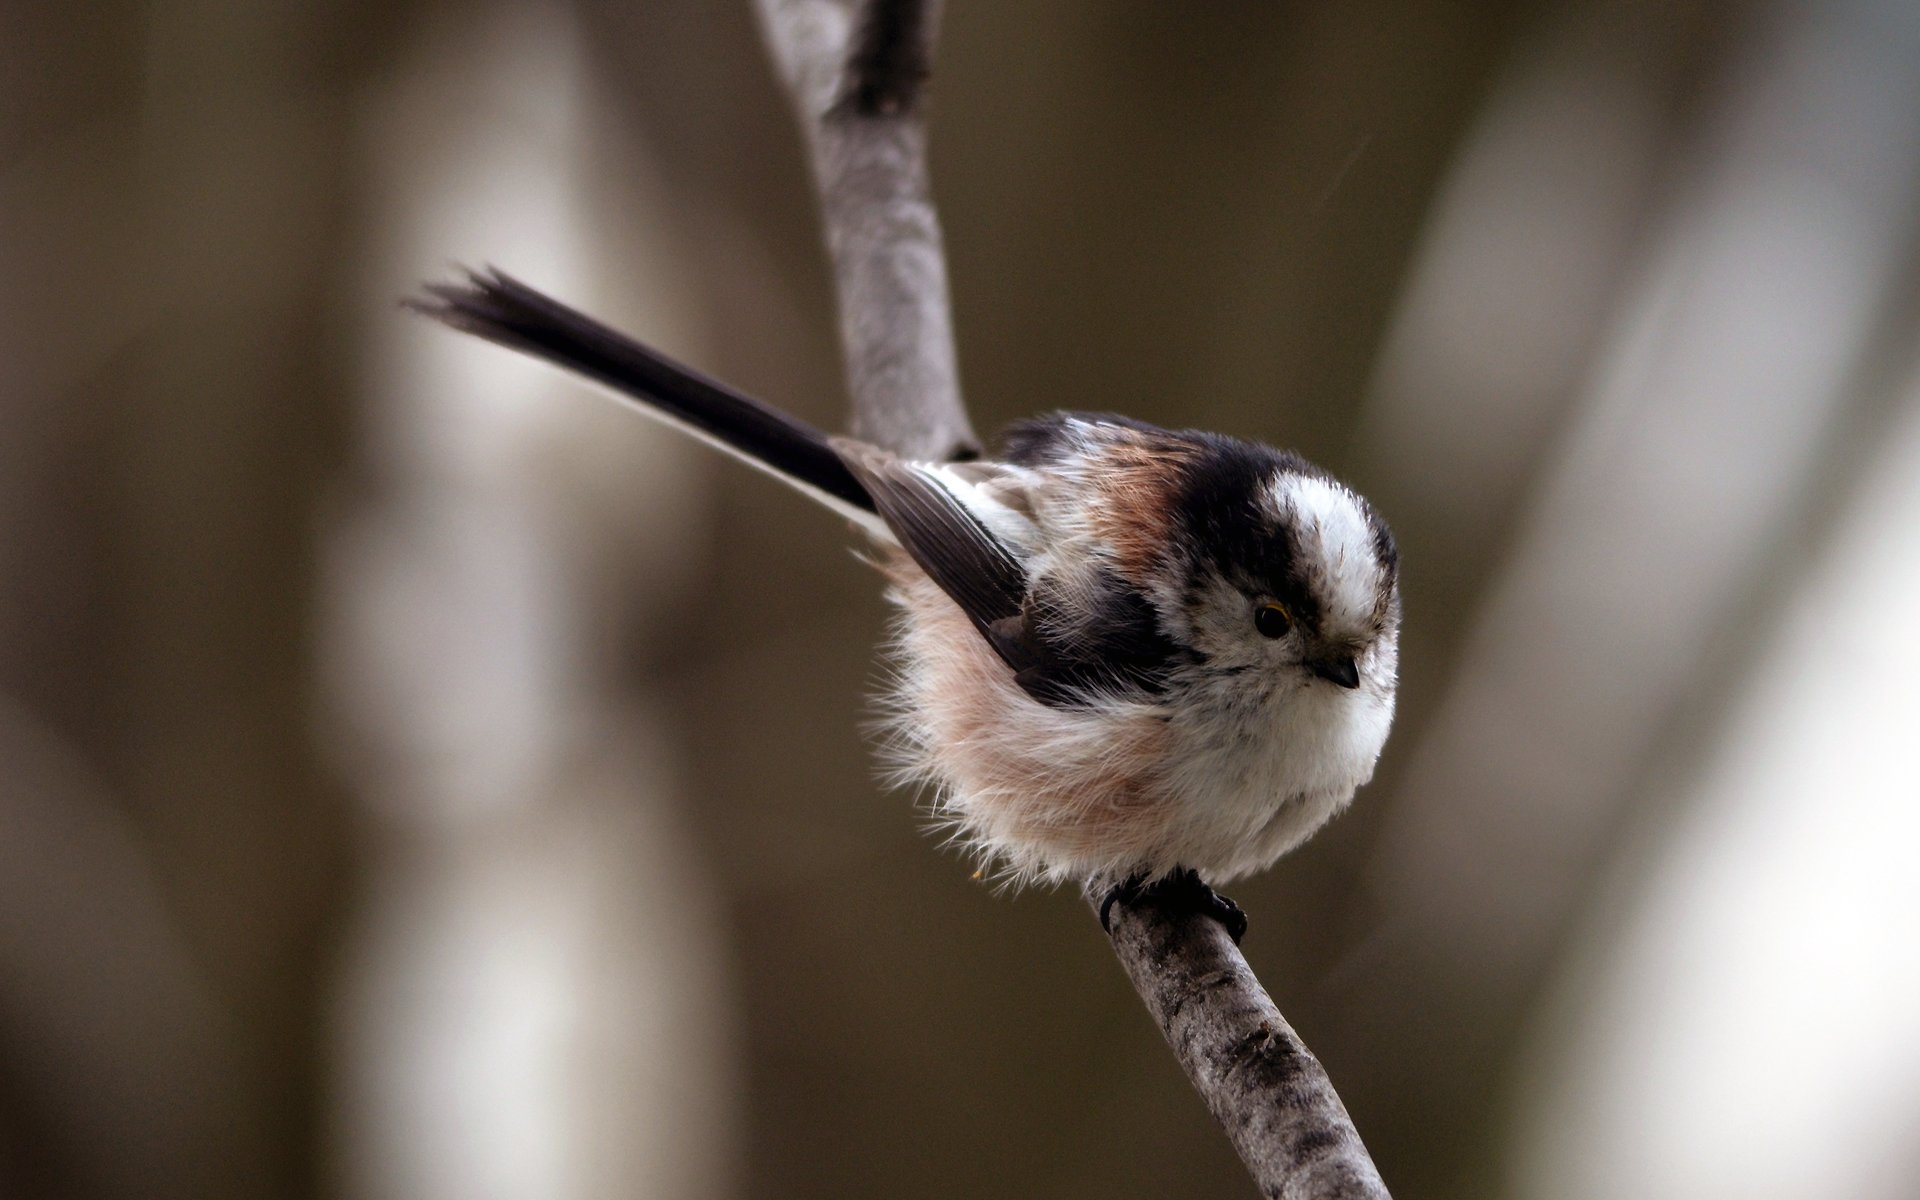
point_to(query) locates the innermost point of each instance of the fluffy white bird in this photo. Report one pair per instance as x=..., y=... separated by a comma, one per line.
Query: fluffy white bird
x=1129, y=656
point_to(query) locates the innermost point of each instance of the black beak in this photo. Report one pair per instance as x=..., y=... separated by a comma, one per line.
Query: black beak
x=1340, y=669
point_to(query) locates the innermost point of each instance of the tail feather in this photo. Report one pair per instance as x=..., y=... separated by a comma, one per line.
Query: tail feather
x=501, y=309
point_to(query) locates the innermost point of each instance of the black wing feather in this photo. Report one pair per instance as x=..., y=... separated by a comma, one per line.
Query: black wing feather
x=951, y=545
x=1116, y=648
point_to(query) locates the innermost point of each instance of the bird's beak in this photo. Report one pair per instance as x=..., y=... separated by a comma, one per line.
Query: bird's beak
x=1337, y=668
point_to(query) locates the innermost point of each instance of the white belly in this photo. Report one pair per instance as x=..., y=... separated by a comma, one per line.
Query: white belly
x=1251, y=782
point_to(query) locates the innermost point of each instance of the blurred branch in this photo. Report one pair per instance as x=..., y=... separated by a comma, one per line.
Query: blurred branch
x=857, y=71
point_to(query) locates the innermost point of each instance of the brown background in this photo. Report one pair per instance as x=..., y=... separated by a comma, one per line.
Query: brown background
x=408, y=794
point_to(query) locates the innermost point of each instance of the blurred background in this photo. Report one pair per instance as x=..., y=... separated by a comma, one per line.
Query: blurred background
x=420, y=778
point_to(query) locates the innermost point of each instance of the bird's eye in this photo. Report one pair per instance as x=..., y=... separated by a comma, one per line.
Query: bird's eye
x=1272, y=620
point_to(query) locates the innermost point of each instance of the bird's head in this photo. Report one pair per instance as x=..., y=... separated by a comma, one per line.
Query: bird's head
x=1284, y=572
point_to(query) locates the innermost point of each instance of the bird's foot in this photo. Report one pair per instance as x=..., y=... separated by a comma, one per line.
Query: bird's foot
x=1127, y=891
x=1183, y=890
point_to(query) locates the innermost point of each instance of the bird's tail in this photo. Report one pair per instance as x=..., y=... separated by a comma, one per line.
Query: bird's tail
x=501, y=309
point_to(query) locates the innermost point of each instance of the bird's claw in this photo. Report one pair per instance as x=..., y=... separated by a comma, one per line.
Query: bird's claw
x=1182, y=889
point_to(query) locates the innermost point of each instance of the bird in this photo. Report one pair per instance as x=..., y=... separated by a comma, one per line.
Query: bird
x=1139, y=659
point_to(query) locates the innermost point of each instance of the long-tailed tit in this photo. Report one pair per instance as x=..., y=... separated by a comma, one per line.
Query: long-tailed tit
x=1126, y=654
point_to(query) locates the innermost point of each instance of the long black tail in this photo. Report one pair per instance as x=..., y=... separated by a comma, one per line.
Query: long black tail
x=501, y=309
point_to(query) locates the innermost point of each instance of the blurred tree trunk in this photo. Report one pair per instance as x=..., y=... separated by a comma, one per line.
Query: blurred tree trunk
x=537, y=914
x=1713, y=377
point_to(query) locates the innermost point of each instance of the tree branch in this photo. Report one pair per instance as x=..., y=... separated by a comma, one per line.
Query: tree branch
x=857, y=71
x=1258, y=1078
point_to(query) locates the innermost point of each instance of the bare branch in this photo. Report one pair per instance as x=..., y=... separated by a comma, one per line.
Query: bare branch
x=857, y=73
x=857, y=70
x=1261, y=1082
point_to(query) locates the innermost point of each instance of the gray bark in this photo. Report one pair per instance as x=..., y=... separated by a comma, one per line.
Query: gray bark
x=1258, y=1078
x=857, y=71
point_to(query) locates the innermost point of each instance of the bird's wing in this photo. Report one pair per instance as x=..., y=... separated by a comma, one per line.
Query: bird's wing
x=925, y=506
x=970, y=528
